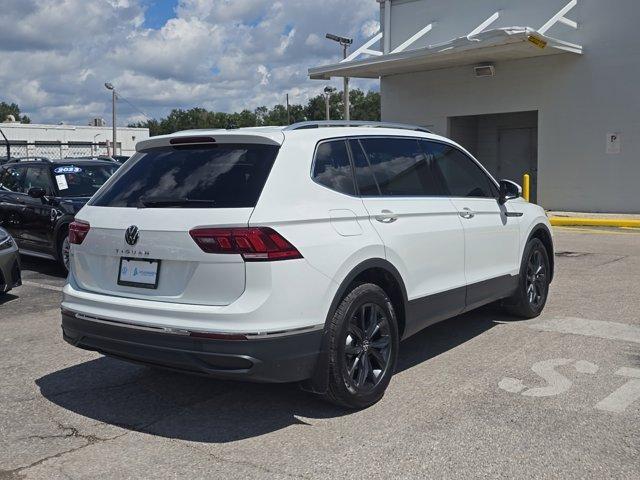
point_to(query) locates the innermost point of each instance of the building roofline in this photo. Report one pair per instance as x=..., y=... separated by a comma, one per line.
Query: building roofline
x=65, y=126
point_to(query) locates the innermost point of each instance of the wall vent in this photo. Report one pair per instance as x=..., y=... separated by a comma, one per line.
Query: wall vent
x=486, y=70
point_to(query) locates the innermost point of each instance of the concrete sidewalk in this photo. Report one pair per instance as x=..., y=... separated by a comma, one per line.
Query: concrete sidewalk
x=594, y=219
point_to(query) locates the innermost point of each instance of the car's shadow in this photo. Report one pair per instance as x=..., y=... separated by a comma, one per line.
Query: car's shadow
x=42, y=265
x=6, y=298
x=206, y=410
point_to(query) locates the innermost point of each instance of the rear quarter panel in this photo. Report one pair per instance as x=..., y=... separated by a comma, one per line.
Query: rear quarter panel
x=331, y=230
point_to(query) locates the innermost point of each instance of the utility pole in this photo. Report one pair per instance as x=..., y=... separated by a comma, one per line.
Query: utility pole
x=114, y=146
x=345, y=42
x=288, y=114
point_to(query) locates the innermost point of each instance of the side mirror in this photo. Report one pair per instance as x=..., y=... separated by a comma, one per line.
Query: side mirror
x=508, y=191
x=37, y=192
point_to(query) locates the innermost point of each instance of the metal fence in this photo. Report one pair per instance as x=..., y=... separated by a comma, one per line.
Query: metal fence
x=53, y=150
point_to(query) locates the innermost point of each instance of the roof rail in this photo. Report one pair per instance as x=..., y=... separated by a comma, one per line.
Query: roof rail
x=353, y=123
x=29, y=159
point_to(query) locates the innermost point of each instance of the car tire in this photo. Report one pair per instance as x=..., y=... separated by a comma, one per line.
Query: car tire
x=533, y=285
x=363, y=344
x=63, y=249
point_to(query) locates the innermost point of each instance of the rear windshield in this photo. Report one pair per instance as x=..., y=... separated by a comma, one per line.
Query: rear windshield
x=80, y=180
x=212, y=176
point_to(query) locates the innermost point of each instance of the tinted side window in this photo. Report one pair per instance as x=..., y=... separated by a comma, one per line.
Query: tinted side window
x=400, y=167
x=37, y=177
x=332, y=168
x=461, y=175
x=367, y=185
x=12, y=179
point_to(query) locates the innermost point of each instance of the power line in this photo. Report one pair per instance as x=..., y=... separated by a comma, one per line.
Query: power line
x=133, y=106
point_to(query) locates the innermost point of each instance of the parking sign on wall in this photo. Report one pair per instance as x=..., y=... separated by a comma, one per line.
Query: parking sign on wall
x=614, y=143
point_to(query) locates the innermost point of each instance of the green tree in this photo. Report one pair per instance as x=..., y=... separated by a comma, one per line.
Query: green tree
x=276, y=116
x=317, y=110
x=7, y=109
x=364, y=106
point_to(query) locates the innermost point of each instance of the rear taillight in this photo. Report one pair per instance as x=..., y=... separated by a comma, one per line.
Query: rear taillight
x=257, y=244
x=78, y=231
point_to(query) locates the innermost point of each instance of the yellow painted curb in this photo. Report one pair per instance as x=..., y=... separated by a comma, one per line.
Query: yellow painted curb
x=593, y=222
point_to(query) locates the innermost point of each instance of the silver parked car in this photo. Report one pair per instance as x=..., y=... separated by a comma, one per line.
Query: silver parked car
x=9, y=263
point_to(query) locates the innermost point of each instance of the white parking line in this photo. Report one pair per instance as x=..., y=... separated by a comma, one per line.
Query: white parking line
x=42, y=285
x=591, y=328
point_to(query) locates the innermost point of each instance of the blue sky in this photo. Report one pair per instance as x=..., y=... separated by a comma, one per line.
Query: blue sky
x=157, y=12
x=224, y=55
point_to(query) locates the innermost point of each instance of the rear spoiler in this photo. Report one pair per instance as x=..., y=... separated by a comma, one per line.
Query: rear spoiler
x=210, y=137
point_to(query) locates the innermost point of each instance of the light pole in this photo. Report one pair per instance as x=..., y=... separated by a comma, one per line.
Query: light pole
x=345, y=42
x=6, y=141
x=95, y=145
x=109, y=86
x=327, y=100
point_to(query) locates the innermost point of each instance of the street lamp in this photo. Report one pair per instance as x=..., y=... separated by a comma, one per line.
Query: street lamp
x=94, y=147
x=327, y=99
x=109, y=86
x=345, y=42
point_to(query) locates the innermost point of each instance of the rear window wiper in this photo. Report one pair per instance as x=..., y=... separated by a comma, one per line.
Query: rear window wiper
x=159, y=202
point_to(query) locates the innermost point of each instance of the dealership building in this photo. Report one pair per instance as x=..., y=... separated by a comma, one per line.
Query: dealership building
x=546, y=87
x=62, y=141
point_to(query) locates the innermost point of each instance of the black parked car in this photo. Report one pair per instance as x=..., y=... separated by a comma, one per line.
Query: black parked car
x=40, y=197
x=116, y=158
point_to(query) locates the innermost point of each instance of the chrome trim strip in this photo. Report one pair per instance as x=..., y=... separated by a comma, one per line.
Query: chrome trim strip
x=184, y=332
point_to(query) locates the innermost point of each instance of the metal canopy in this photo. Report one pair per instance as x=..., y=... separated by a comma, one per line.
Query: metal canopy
x=495, y=45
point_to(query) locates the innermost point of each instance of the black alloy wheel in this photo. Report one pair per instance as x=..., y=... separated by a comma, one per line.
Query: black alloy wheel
x=367, y=348
x=536, y=280
x=532, y=293
x=363, y=343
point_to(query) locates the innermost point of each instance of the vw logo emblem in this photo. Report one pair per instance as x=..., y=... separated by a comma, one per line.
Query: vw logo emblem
x=132, y=235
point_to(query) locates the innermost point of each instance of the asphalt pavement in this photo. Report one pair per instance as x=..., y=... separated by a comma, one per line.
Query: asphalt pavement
x=481, y=395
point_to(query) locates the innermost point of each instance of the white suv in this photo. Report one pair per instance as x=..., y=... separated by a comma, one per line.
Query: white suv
x=298, y=253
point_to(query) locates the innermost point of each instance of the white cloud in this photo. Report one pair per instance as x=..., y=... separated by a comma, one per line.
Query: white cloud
x=370, y=28
x=221, y=54
x=264, y=75
x=285, y=42
x=313, y=40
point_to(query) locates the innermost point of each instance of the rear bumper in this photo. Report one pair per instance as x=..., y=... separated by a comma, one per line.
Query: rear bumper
x=282, y=358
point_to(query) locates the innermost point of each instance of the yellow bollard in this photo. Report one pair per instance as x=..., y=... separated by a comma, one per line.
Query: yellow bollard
x=525, y=186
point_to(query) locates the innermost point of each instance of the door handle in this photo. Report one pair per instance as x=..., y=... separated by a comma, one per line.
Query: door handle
x=386, y=216
x=467, y=213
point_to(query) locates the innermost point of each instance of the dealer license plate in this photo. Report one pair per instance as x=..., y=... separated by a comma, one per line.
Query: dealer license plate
x=139, y=273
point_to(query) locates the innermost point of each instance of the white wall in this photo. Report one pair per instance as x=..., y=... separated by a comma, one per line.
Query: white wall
x=127, y=137
x=579, y=99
